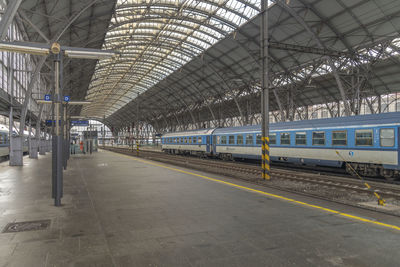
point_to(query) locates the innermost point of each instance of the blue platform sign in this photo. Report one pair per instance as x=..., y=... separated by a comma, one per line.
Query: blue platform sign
x=47, y=97
x=66, y=98
x=79, y=123
x=50, y=122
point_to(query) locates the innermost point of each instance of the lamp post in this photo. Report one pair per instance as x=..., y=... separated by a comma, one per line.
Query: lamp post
x=57, y=52
x=265, y=92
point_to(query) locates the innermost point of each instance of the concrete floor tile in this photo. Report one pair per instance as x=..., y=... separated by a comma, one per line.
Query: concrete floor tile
x=134, y=214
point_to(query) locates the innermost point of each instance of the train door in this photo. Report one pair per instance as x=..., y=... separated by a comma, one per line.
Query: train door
x=208, y=143
x=214, y=145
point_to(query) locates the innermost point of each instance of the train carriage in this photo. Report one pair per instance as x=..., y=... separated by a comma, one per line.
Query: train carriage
x=197, y=142
x=369, y=143
x=5, y=142
x=4, y=150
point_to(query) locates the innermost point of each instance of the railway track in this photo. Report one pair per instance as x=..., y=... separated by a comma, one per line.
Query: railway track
x=252, y=173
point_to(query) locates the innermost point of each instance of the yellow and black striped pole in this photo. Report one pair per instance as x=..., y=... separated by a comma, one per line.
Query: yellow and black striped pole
x=137, y=147
x=264, y=92
x=265, y=158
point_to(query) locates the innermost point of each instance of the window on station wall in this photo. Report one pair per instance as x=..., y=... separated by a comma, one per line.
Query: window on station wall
x=258, y=139
x=339, y=138
x=223, y=140
x=231, y=139
x=285, y=138
x=240, y=139
x=249, y=139
x=397, y=106
x=318, y=138
x=387, y=137
x=384, y=107
x=272, y=138
x=314, y=115
x=364, y=137
x=301, y=138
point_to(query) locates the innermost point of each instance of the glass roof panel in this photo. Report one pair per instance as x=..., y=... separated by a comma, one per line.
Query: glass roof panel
x=154, y=39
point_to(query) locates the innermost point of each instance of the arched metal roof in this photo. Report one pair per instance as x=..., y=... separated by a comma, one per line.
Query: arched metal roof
x=192, y=61
x=315, y=46
x=155, y=38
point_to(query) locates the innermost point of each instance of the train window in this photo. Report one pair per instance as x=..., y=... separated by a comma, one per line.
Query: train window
x=272, y=138
x=258, y=139
x=318, y=138
x=231, y=139
x=387, y=137
x=199, y=140
x=181, y=140
x=194, y=140
x=185, y=140
x=223, y=140
x=364, y=137
x=190, y=140
x=339, y=138
x=2, y=139
x=301, y=138
x=249, y=139
x=285, y=138
x=240, y=139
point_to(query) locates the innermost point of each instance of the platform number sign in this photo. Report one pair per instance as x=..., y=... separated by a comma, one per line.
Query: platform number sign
x=66, y=98
x=47, y=97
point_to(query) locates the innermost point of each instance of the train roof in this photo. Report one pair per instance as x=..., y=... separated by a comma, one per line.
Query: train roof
x=191, y=132
x=346, y=122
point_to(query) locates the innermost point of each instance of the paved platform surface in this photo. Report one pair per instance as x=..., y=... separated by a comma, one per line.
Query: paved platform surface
x=122, y=212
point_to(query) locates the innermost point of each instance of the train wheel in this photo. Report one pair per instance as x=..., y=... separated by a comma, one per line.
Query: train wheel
x=350, y=170
x=389, y=175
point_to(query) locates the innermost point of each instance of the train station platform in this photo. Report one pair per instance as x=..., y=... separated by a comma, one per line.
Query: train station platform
x=124, y=211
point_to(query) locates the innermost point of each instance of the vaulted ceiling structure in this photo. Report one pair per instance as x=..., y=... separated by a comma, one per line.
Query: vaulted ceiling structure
x=190, y=61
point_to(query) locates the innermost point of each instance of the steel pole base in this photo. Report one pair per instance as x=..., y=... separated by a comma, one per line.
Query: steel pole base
x=57, y=174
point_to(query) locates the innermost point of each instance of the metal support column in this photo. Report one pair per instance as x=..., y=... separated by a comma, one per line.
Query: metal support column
x=137, y=126
x=65, y=137
x=265, y=92
x=57, y=137
x=11, y=117
x=104, y=131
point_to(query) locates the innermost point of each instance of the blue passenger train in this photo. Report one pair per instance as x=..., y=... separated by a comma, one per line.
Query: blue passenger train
x=369, y=143
x=5, y=143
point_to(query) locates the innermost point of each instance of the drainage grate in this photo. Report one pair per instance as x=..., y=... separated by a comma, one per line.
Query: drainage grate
x=26, y=226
